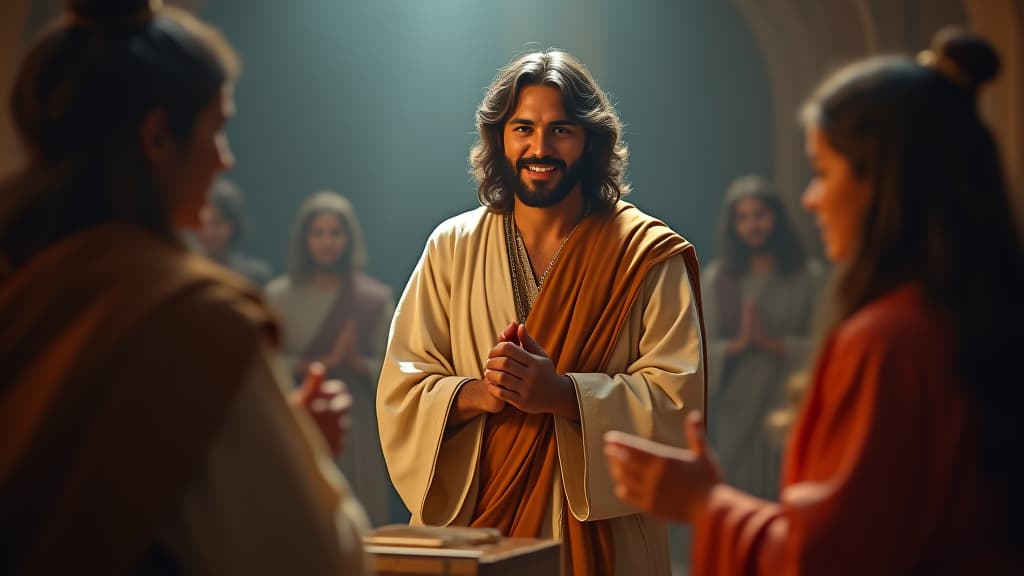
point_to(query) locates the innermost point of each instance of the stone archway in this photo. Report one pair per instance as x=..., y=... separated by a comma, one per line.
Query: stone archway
x=801, y=40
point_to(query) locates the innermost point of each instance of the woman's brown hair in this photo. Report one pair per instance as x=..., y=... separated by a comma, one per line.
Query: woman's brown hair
x=78, y=102
x=939, y=217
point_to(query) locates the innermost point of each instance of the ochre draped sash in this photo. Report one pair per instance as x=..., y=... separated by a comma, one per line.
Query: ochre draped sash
x=577, y=319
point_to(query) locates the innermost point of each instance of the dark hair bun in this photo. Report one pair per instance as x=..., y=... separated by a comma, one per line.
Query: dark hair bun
x=109, y=11
x=974, y=57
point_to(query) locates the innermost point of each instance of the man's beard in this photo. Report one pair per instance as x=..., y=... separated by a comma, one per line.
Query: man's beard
x=544, y=195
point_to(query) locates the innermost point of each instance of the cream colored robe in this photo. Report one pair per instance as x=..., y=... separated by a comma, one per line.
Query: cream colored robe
x=456, y=302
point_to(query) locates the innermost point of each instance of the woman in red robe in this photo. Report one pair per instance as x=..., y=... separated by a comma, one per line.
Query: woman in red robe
x=897, y=463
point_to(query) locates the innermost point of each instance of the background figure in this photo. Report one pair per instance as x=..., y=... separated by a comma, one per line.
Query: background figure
x=901, y=460
x=223, y=224
x=760, y=294
x=143, y=426
x=335, y=314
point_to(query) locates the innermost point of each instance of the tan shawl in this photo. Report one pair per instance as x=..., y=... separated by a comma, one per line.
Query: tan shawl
x=121, y=353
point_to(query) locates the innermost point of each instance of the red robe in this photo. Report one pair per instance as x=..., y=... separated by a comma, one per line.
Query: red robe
x=882, y=473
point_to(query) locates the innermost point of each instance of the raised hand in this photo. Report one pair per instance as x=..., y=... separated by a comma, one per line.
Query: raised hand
x=328, y=402
x=744, y=338
x=760, y=337
x=673, y=483
x=524, y=376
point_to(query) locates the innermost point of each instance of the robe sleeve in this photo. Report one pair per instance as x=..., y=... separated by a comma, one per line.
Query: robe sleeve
x=432, y=469
x=269, y=500
x=870, y=463
x=649, y=399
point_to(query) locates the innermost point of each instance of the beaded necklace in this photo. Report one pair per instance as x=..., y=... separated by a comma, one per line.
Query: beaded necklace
x=526, y=286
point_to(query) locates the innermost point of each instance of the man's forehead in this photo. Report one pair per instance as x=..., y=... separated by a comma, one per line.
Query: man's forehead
x=517, y=111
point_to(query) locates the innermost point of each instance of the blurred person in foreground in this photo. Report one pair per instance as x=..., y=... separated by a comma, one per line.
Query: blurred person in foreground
x=143, y=426
x=900, y=461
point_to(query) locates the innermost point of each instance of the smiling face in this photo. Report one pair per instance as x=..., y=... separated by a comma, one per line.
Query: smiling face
x=326, y=240
x=753, y=223
x=837, y=196
x=543, y=148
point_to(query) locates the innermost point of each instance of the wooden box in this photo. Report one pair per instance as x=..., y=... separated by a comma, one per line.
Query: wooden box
x=463, y=557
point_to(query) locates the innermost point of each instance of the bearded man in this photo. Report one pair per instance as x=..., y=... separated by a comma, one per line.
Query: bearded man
x=532, y=325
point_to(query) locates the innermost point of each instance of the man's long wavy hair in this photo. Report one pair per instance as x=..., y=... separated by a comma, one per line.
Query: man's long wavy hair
x=605, y=155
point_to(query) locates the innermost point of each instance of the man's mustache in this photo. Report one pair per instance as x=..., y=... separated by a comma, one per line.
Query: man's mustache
x=546, y=161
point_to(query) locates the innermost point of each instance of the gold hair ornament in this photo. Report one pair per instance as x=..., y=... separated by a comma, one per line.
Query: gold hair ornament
x=947, y=67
